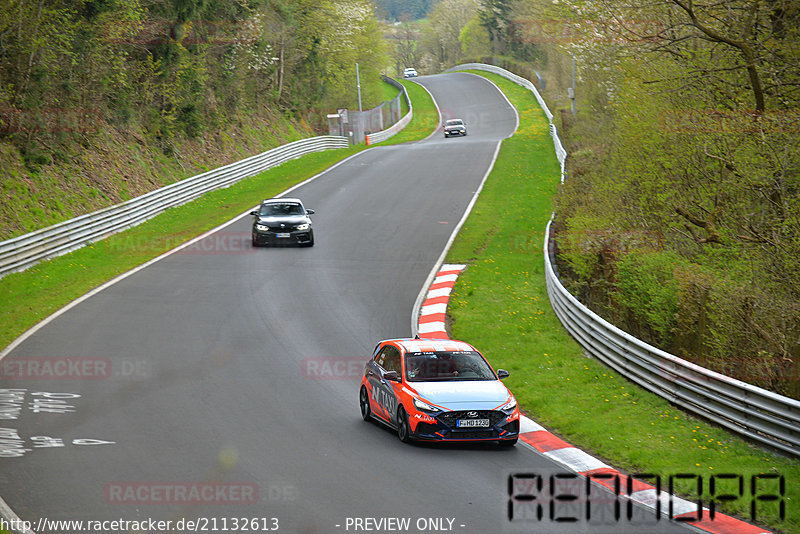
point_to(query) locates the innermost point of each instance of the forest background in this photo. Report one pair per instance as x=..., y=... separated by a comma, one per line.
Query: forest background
x=679, y=220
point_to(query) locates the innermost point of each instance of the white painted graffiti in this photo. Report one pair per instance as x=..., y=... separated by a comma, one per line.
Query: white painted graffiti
x=14, y=401
x=51, y=403
x=11, y=403
x=13, y=446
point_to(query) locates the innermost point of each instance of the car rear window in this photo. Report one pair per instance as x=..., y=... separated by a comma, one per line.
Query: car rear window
x=446, y=366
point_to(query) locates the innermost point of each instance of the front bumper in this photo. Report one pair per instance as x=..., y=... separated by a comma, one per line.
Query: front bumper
x=450, y=133
x=443, y=426
x=295, y=237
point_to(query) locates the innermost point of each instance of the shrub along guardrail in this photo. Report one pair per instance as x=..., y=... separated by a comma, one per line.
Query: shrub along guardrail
x=756, y=413
x=21, y=252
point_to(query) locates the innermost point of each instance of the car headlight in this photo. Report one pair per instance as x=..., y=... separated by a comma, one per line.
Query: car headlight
x=510, y=405
x=305, y=226
x=262, y=227
x=424, y=406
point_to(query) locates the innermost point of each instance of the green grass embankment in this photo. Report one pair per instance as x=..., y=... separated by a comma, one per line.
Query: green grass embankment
x=425, y=118
x=28, y=297
x=500, y=304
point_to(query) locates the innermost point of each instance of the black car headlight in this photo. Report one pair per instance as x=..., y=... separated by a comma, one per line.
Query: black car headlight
x=262, y=227
x=302, y=227
x=424, y=406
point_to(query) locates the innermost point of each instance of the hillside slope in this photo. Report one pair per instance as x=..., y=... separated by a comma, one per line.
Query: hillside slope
x=114, y=166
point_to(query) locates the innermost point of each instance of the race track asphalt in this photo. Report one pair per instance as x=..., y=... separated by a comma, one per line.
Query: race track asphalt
x=240, y=366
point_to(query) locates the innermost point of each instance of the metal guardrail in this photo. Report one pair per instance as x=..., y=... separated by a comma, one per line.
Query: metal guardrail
x=756, y=413
x=21, y=252
x=399, y=125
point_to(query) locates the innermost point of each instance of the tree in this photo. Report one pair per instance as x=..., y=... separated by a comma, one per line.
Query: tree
x=176, y=67
x=495, y=16
x=406, y=44
x=474, y=40
x=440, y=38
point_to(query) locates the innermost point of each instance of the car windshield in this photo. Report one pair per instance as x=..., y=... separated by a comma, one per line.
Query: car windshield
x=441, y=366
x=455, y=122
x=277, y=209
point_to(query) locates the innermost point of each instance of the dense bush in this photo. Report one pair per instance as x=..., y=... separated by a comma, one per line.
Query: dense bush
x=176, y=68
x=679, y=218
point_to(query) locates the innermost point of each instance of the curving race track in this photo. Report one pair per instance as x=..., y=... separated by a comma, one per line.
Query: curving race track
x=231, y=365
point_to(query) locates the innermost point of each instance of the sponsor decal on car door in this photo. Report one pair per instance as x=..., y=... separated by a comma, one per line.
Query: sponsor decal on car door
x=383, y=395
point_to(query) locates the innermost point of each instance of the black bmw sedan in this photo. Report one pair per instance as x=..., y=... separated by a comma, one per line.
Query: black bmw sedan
x=282, y=221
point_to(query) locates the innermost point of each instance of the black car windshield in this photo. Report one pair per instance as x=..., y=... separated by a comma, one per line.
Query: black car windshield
x=454, y=122
x=441, y=366
x=277, y=209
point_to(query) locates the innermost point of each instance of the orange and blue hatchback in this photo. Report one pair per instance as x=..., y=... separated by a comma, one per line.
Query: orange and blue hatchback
x=438, y=390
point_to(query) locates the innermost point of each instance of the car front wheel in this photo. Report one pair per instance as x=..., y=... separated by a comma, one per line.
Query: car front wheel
x=403, y=428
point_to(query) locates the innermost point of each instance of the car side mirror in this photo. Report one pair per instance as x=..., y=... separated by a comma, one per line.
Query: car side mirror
x=310, y=212
x=502, y=373
x=391, y=375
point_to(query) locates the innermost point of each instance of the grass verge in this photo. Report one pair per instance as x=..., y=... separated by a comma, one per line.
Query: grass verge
x=389, y=92
x=425, y=119
x=500, y=304
x=29, y=296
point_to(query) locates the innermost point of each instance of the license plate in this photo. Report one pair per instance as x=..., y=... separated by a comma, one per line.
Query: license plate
x=472, y=423
x=282, y=235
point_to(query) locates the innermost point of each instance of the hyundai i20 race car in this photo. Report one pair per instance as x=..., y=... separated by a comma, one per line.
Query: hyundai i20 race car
x=438, y=390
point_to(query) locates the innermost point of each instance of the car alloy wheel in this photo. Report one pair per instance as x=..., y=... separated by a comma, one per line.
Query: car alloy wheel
x=403, y=428
x=363, y=401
